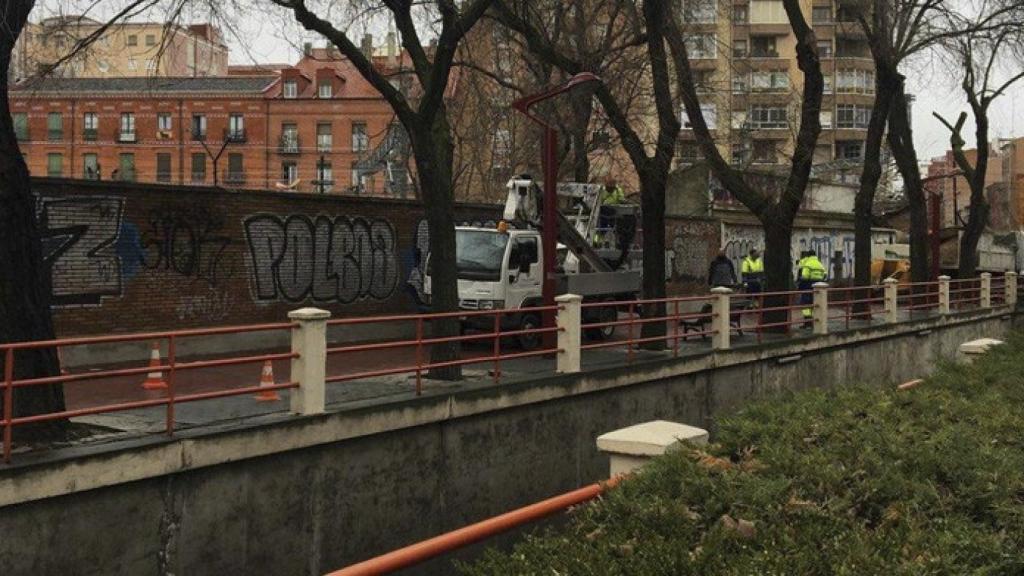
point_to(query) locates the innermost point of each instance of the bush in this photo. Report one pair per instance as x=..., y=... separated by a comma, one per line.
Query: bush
x=855, y=480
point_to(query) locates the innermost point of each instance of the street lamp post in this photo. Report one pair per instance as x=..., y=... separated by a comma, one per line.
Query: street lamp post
x=549, y=234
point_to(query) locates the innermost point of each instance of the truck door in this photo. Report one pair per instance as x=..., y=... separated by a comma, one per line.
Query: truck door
x=523, y=271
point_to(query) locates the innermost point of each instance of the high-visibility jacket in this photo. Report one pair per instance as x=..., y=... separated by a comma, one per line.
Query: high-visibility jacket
x=752, y=268
x=613, y=196
x=812, y=269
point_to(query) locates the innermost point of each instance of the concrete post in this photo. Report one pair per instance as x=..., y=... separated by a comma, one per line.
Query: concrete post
x=632, y=447
x=720, y=318
x=891, y=298
x=944, y=294
x=986, y=290
x=1011, y=289
x=309, y=340
x=820, y=307
x=569, y=320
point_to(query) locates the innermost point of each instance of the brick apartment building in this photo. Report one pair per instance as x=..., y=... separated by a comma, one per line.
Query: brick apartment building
x=1004, y=185
x=317, y=126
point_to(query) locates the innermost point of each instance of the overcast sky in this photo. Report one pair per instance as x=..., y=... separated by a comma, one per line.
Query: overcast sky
x=270, y=36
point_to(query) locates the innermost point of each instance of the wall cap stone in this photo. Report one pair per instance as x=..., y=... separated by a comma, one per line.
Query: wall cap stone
x=651, y=438
x=979, y=346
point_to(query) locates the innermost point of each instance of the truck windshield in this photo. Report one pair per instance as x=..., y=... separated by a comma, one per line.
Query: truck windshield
x=479, y=254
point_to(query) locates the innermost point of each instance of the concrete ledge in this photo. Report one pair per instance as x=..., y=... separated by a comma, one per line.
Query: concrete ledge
x=651, y=438
x=979, y=346
x=45, y=475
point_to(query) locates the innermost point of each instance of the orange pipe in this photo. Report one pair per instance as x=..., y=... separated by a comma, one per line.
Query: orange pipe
x=427, y=549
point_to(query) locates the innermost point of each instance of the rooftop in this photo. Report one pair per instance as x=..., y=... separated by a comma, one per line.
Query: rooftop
x=187, y=85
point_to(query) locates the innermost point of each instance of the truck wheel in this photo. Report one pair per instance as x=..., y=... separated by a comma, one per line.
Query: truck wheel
x=604, y=332
x=529, y=341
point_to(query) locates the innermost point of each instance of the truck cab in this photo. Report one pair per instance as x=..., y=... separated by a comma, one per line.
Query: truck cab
x=498, y=269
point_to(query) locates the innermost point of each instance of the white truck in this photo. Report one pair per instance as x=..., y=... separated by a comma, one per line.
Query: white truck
x=501, y=266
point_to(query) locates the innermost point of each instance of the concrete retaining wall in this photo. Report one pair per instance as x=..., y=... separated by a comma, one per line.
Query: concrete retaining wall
x=305, y=495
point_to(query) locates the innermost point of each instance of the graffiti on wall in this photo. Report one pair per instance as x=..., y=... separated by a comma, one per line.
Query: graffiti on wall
x=189, y=241
x=738, y=241
x=80, y=237
x=327, y=259
x=687, y=251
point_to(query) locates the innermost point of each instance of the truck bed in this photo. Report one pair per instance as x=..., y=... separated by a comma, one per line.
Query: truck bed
x=598, y=283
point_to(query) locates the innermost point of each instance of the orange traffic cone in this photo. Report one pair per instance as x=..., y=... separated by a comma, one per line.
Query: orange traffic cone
x=267, y=379
x=155, y=378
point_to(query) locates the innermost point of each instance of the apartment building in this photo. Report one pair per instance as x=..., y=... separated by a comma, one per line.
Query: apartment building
x=316, y=127
x=1004, y=185
x=743, y=53
x=128, y=49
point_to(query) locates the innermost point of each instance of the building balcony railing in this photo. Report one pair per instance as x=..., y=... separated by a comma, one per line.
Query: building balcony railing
x=288, y=145
x=198, y=177
x=164, y=177
x=54, y=135
x=198, y=135
x=763, y=53
x=234, y=135
x=126, y=137
x=90, y=173
x=233, y=177
x=89, y=134
x=125, y=175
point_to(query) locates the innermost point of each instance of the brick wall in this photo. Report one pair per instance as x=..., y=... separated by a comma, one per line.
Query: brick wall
x=131, y=257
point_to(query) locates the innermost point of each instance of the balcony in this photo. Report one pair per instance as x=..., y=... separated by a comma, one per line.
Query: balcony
x=324, y=144
x=125, y=175
x=233, y=177
x=198, y=177
x=322, y=186
x=234, y=135
x=126, y=137
x=54, y=135
x=90, y=173
x=288, y=144
x=763, y=53
x=89, y=134
x=198, y=135
x=164, y=177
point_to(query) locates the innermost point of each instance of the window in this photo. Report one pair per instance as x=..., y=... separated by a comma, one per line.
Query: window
x=739, y=118
x=127, y=132
x=289, y=138
x=151, y=65
x=821, y=15
x=689, y=152
x=825, y=118
x=133, y=64
x=236, y=128
x=163, y=122
x=702, y=80
x=827, y=78
x=20, y=120
x=163, y=167
x=769, y=81
x=739, y=48
x=710, y=113
x=324, y=138
x=852, y=116
x=764, y=152
x=54, y=164
x=291, y=89
x=851, y=81
x=198, y=166
x=825, y=48
x=761, y=117
x=126, y=167
x=54, y=126
x=701, y=45
x=524, y=251
x=198, y=126
x=289, y=172
x=763, y=47
x=767, y=12
x=90, y=126
x=502, y=152
x=324, y=90
x=358, y=179
x=740, y=15
x=700, y=11
x=236, y=171
x=852, y=48
x=360, y=139
x=324, y=177
x=150, y=39
x=740, y=83
x=133, y=40
x=849, y=149
x=90, y=166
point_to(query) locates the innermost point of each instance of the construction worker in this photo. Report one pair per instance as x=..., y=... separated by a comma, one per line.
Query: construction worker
x=612, y=195
x=809, y=271
x=752, y=270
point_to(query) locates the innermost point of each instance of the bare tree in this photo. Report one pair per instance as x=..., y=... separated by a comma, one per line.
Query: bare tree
x=978, y=57
x=424, y=114
x=776, y=214
x=623, y=27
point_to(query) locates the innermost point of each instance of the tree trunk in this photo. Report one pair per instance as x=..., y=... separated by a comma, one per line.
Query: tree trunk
x=977, y=218
x=652, y=192
x=778, y=265
x=864, y=202
x=25, y=289
x=434, y=152
x=901, y=141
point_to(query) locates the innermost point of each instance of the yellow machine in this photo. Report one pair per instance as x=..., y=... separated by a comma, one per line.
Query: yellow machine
x=885, y=268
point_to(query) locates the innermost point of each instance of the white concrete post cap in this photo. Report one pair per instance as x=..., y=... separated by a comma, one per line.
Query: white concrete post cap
x=721, y=290
x=944, y=277
x=309, y=314
x=890, y=281
x=819, y=285
x=568, y=298
x=650, y=438
x=979, y=346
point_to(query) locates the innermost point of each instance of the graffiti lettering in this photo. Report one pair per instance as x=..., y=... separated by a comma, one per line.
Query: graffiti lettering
x=328, y=260
x=186, y=241
x=78, y=237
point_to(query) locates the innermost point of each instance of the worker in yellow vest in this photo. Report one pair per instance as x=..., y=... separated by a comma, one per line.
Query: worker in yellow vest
x=810, y=270
x=752, y=271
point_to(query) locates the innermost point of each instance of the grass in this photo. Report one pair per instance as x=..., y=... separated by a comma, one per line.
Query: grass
x=856, y=480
